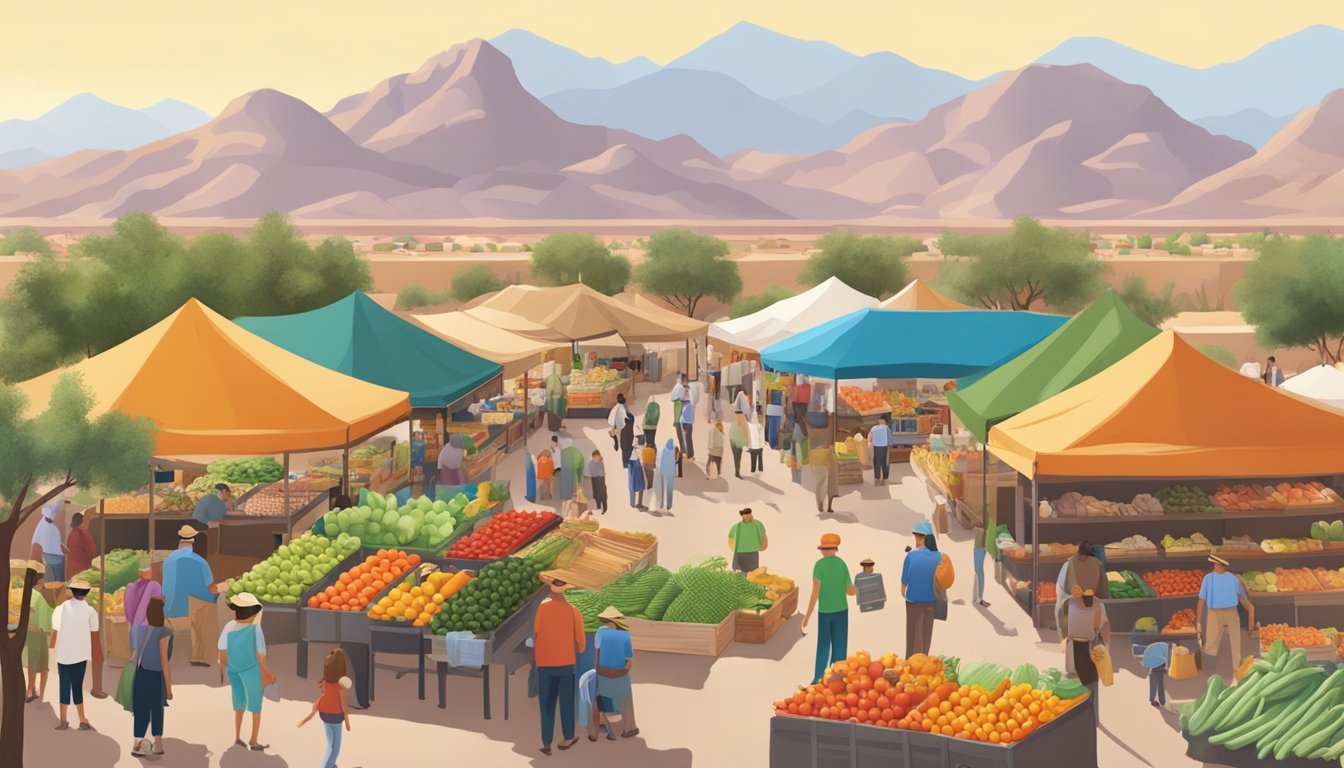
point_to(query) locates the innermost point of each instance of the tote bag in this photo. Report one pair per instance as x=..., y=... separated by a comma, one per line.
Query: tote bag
x=125, y=695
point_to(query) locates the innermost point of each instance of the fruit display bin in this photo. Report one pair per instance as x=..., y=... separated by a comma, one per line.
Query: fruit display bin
x=318, y=625
x=1068, y=741
x=463, y=564
x=503, y=645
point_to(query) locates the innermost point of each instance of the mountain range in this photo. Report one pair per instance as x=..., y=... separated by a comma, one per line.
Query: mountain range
x=88, y=122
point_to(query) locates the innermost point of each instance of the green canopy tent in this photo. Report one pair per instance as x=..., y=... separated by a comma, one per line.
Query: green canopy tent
x=1089, y=343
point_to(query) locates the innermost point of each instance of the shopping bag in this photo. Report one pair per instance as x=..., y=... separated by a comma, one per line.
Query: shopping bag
x=126, y=687
x=272, y=691
x=1101, y=658
x=1182, y=664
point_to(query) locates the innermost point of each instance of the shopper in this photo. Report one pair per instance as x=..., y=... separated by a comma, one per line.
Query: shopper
x=978, y=554
x=450, y=461
x=37, y=654
x=135, y=604
x=190, y=595
x=825, y=476
x=1084, y=570
x=737, y=443
x=153, y=679
x=242, y=653
x=596, y=471
x=1156, y=658
x=634, y=470
x=675, y=396
x=665, y=476
x=687, y=421
x=747, y=540
x=47, y=545
x=918, y=573
x=615, y=659
x=1220, y=592
x=616, y=420
x=428, y=471
x=331, y=707
x=1087, y=622
x=627, y=439
x=651, y=415
x=74, y=634
x=715, y=450
x=558, y=638
x=80, y=548
x=648, y=459
x=545, y=473
x=756, y=443
x=831, y=589
x=880, y=439
x=564, y=477
x=1273, y=373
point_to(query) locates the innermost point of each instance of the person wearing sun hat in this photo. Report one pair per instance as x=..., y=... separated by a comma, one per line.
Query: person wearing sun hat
x=242, y=655
x=74, y=632
x=1086, y=622
x=615, y=659
x=1220, y=593
x=831, y=589
x=189, y=596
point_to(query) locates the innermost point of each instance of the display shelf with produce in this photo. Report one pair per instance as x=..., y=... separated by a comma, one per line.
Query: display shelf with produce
x=504, y=534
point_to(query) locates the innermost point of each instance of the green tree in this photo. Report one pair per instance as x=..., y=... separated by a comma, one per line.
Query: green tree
x=475, y=281
x=1144, y=241
x=44, y=456
x=1290, y=293
x=1031, y=265
x=751, y=304
x=414, y=297
x=477, y=248
x=682, y=267
x=1152, y=308
x=1198, y=239
x=24, y=240
x=1220, y=353
x=1173, y=245
x=566, y=257
x=873, y=264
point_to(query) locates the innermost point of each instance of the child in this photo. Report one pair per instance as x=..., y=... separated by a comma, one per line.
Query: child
x=597, y=476
x=1155, y=659
x=330, y=705
x=715, y=459
x=545, y=473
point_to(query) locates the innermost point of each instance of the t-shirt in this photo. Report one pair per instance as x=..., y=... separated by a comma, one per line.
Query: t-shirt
x=75, y=621
x=747, y=535
x=81, y=551
x=755, y=436
x=835, y=583
x=688, y=412
x=558, y=633
x=595, y=469
x=1220, y=590
x=150, y=658
x=329, y=703
x=210, y=509
x=451, y=457
x=185, y=574
x=614, y=647
x=545, y=466
x=881, y=436
x=234, y=626
x=917, y=575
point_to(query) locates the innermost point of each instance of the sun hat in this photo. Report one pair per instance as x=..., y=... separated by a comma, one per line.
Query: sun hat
x=1218, y=560
x=80, y=584
x=829, y=541
x=187, y=532
x=244, y=600
x=613, y=615
x=867, y=561
x=923, y=527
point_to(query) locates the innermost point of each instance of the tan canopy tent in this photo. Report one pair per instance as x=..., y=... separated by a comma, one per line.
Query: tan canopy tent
x=516, y=352
x=579, y=313
x=918, y=295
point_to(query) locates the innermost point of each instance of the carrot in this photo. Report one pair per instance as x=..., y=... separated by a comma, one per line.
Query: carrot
x=1000, y=689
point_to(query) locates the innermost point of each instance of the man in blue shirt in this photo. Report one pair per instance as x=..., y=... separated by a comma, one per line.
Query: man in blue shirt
x=880, y=437
x=917, y=574
x=189, y=597
x=1220, y=592
x=209, y=511
x=687, y=421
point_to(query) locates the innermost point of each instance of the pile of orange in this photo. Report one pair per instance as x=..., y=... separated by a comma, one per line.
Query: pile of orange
x=914, y=695
x=355, y=588
x=862, y=400
x=418, y=603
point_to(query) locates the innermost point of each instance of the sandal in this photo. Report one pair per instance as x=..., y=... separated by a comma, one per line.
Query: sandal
x=158, y=750
x=567, y=744
x=546, y=750
x=258, y=747
x=137, y=750
x=630, y=734
x=240, y=743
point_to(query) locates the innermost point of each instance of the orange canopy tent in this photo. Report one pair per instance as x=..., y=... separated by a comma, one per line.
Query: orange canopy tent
x=1168, y=410
x=919, y=295
x=213, y=388
x=578, y=313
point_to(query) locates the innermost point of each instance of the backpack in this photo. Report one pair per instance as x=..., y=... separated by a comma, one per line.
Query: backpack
x=545, y=466
x=944, y=574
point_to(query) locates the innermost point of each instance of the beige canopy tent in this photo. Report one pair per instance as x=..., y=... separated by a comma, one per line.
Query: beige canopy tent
x=579, y=313
x=516, y=352
x=918, y=295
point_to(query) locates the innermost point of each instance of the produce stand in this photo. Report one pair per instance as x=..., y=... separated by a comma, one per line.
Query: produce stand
x=463, y=564
x=595, y=400
x=1068, y=741
x=756, y=627
x=502, y=646
x=682, y=637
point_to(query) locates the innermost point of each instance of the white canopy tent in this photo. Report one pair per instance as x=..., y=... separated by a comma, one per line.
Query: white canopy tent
x=785, y=318
x=1323, y=383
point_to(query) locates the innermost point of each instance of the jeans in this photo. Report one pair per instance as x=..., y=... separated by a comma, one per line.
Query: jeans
x=757, y=459
x=663, y=485
x=688, y=446
x=71, y=678
x=979, y=554
x=147, y=702
x=881, y=468
x=1157, y=688
x=556, y=685
x=737, y=461
x=772, y=431
x=55, y=567
x=333, y=731
x=599, y=493
x=832, y=640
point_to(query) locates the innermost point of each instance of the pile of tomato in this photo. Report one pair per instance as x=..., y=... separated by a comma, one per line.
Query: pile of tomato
x=1174, y=583
x=502, y=536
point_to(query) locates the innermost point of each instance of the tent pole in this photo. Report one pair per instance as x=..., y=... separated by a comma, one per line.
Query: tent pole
x=345, y=469
x=151, y=507
x=102, y=572
x=525, y=399
x=984, y=492
x=289, y=516
x=1035, y=552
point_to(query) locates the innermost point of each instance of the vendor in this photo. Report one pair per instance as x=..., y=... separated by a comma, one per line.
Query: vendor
x=1220, y=592
x=212, y=508
x=1082, y=570
x=450, y=461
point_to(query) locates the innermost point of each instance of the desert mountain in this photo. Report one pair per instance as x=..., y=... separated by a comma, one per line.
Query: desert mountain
x=1044, y=140
x=1300, y=171
x=88, y=122
x=545, y=67
x=1249, y=125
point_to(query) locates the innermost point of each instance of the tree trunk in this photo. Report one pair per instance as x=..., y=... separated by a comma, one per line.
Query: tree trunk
x=13, y=685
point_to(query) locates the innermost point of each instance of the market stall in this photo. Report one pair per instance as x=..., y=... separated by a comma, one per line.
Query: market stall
x=920, y=295
x=752, y=333
x=1322, y=383
x=1090, y=342
x=1168, y=456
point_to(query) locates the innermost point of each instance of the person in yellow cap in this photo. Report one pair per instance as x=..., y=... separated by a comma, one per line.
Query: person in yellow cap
x=831, y=590
x=1220, y=592
x=189, y=596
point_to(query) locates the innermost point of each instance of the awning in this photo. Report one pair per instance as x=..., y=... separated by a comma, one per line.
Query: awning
x=213, y=388
x=902, y=344
x=777, y=322
x=1322, y=383
x=1092, y=341
x=516, y=353
x=359, y=338
x=578, y=313
x=1168, y=410
x=919, y=295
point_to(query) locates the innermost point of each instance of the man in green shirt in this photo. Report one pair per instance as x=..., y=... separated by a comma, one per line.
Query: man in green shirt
x=831, y=590
x=747, y=540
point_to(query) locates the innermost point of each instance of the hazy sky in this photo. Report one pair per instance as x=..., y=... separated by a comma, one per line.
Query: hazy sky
x=138, y=51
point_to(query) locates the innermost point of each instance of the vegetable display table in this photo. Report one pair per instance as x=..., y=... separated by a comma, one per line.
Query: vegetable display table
x=502, y=646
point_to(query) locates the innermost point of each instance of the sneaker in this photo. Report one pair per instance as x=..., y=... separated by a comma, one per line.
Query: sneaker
x=62, y=726
x=84, y=726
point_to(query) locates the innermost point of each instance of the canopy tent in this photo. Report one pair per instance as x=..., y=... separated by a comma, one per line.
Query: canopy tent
x=578, y=313
x=777, y=322
x=1322, y=383
x=919, y=295
x=211, y=388
x=900, y=344
x=1168, y=410
x=515, y=352
x=359, y=338
x=1092, y=341
x=516, y=324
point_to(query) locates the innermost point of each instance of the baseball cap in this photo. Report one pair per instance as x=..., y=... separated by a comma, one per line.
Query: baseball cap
x=829, y=541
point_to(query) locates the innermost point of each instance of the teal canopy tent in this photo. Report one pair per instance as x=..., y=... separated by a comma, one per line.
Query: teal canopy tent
x=359, y=338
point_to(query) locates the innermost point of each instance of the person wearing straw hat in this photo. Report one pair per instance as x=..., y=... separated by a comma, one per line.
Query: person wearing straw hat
x=558, y=639
x=1086, y=622
x=74, y=632
x=831, y=589
x=189, y=595
x=242, y=655
x=138, y=595
x=615, y=659
x=1219, y=594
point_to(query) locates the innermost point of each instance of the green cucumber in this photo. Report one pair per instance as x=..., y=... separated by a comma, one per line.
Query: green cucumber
x=1287, y=720
x=1286, y=682
x=1212, y=691
x=1240, y=710
x=1321, y=737
x=1315, y=719
x=1248, y=734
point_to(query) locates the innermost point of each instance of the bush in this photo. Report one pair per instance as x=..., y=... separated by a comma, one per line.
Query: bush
x=527, y=247
x=384, y=247
x=24, y=240
x=1144, y=241
x=413, y=297
x=475, y=281
x=750, y=304
x=1198, y=239
x=492, y=247
x=456, y=247
x=1225, y=243
x=477, y=249
x=1220, y=353
x=410, y=241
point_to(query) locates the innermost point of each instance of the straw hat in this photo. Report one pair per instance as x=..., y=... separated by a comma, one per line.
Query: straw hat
x=187, y=532
x=80, y=584
x=244, y=600
x=1218, y=560
x=613, y=616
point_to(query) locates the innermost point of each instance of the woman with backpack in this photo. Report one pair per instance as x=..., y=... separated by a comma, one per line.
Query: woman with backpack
x=926, y=575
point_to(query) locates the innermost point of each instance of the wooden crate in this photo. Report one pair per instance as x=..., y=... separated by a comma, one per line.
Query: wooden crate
x=788, y=603
x=679, y=637
x=757, y=627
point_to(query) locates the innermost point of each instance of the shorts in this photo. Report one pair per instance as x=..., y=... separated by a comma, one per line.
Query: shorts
x=246, y=688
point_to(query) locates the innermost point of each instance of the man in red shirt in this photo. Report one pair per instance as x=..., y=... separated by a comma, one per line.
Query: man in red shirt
x=558, y=638
x=80, y=547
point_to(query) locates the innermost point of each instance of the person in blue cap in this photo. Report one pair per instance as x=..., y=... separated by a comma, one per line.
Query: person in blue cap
x=1156, y=657
x=917, y=575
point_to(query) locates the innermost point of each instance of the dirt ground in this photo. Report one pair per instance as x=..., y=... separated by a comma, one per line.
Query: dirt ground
x=691, y=710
